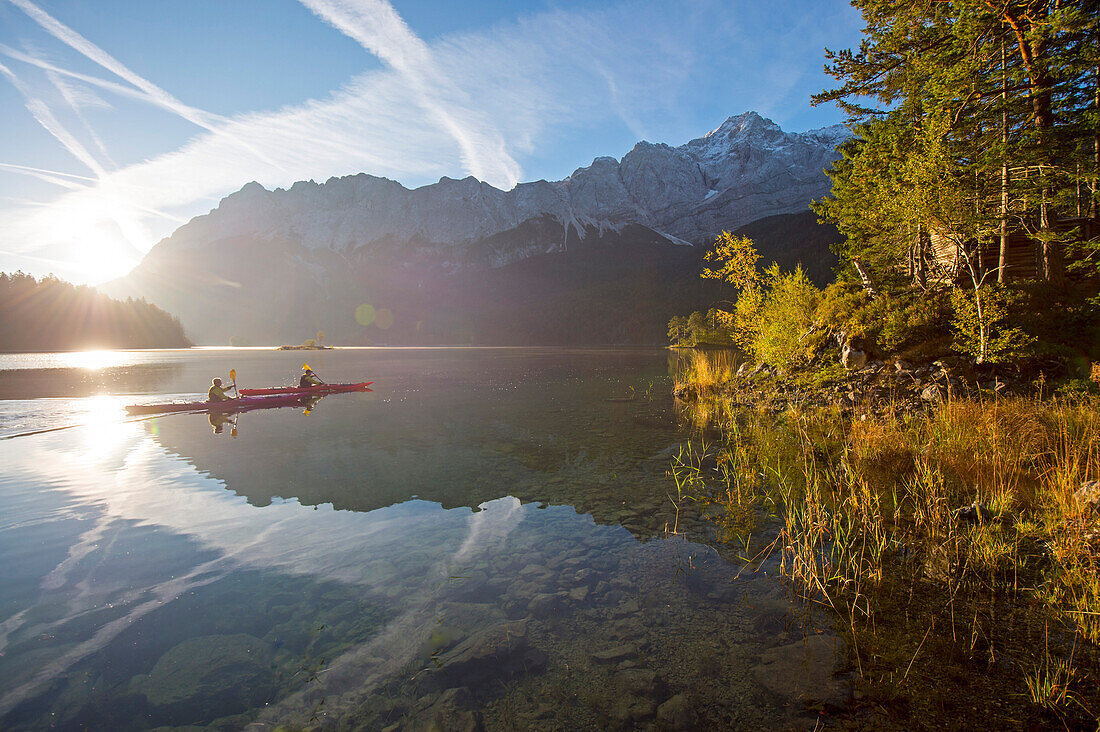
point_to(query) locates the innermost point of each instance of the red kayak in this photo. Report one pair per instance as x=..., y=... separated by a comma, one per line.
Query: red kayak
x=230, y=405
x=319, y=389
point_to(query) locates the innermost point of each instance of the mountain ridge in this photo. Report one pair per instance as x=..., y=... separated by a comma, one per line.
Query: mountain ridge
x=332, y=238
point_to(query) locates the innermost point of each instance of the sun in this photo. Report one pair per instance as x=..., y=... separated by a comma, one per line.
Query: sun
x=97, y=256
x=94, y=239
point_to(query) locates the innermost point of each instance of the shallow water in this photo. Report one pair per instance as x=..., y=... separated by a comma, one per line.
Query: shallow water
x=484, y=538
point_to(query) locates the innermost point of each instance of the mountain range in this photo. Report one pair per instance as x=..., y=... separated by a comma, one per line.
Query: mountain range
x=605, y=255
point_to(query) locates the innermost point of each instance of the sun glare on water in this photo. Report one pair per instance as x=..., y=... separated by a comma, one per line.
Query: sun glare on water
x=92, y=360
x=105, y=428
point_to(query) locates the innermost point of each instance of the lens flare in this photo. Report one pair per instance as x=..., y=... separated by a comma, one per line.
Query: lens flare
x=364, y=314
x=384, y=319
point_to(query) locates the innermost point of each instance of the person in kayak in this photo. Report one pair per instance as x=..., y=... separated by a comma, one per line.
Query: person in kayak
x=309, y=379
x=217, y=392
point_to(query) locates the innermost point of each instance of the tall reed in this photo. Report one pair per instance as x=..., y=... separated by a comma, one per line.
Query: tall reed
x=877, y=500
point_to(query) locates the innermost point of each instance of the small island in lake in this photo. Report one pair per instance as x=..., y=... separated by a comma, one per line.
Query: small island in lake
x=310, y=344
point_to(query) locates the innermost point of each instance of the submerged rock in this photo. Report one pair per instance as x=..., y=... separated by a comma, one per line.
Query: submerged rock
x=974, y=513
x=209, y=677
x=629, y=709
x=496, y=653
x=802, y=670
x=454, y=711
x=677, y=714
x=616, y=654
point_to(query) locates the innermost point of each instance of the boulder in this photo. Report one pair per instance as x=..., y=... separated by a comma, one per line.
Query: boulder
x=975, y=513
x=1087, y=496
x=677, y=713
x=932, y=393
x=499, y=652
x=212, y=676
x=852, y=359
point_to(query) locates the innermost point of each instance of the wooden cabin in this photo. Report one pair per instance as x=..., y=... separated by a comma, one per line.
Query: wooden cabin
x=1023, y=257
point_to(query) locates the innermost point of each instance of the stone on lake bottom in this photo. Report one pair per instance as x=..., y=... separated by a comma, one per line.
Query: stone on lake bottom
x=677, y=714
x=801, y=670
x=616, y=654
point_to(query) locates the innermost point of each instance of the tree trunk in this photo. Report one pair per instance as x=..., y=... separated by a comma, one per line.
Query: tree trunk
x=1002, y=256
x=1095, y=145
x=1039, y=89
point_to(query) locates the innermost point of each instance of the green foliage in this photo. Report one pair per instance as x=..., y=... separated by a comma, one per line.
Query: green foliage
x=969, y=115
x=700, y=329
x=786, y=322
x=677, y=330
x=845, y=307
x=909, y=318
x=981, y=325
x=895, y=320
x=746, y=317
x=737, y=257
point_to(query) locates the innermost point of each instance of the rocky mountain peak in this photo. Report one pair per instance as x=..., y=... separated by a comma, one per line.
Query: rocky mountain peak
x=744, y=125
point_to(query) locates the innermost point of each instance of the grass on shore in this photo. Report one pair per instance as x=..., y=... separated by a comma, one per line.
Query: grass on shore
x=869, y=505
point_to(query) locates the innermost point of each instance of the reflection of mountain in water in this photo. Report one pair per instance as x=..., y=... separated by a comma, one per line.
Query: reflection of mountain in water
x=555, y=439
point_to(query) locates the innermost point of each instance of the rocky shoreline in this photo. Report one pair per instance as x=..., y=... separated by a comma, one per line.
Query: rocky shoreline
x=875, y=387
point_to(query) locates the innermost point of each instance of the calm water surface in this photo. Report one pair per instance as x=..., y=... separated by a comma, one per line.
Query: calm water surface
x=480, y=541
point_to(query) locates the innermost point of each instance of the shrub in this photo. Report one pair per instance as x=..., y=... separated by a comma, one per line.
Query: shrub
x=786, y=320
x=981, y=325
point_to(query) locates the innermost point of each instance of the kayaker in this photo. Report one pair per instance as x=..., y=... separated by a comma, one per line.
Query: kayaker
x=309, y=379
x=217, y=392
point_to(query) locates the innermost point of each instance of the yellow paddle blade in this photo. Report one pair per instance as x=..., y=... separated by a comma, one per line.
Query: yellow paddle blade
x=232, y=374
x=305, y=367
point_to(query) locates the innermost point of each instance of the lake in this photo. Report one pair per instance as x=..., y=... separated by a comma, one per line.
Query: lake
x=491, y=537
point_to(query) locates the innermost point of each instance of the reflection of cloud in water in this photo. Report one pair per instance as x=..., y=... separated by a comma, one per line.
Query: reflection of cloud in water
x=490, y=525
x=406, y=551
x=158, y=595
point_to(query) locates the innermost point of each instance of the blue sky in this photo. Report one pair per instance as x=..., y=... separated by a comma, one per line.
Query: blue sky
x=122, y=119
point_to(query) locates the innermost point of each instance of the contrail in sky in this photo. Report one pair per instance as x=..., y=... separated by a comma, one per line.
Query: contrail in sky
x=377, y=27
x=77, y=42
x=153, y=93
x=42, y=114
